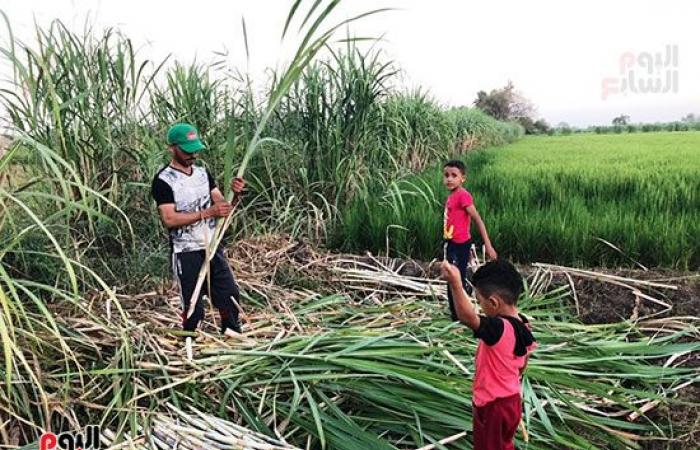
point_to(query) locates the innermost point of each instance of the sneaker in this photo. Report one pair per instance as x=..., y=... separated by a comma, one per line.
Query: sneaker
x=229, y=333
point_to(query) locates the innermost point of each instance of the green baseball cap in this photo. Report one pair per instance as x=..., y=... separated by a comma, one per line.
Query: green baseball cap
x=186, y=137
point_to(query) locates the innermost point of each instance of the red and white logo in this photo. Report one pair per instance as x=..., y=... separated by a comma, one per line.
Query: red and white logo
x=72, y=440
x=191, y=136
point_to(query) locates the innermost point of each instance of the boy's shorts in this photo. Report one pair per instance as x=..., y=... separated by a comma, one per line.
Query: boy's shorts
x=496, y=422
x=458, y=255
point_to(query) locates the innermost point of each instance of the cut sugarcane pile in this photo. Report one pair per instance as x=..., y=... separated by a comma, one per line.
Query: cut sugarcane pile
x=196, y=430
x=350, y=353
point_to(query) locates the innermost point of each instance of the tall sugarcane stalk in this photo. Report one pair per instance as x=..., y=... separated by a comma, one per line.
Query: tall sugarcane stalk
x=307, y=50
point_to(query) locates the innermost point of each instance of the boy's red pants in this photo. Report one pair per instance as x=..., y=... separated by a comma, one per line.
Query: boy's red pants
x=496, y=422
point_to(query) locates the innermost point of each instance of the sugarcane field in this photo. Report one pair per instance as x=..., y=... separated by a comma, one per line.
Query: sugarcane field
x=351, y=225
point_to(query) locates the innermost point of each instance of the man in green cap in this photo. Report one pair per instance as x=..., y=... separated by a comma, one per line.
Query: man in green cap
x=189, y=203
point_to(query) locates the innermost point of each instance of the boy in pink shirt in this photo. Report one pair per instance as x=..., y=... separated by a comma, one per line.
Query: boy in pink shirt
x=505, y=342
x=459, y=211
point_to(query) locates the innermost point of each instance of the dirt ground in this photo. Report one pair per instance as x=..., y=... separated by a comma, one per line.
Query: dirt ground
x=605, y=303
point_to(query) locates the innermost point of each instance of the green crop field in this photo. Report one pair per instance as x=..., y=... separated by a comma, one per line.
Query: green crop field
x=555, y=199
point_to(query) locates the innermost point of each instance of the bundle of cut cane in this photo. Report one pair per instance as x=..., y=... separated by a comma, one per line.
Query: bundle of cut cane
x=196, y=430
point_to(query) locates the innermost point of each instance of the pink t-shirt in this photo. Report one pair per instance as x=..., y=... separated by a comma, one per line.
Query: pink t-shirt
x=457, y=221
x=497, y=366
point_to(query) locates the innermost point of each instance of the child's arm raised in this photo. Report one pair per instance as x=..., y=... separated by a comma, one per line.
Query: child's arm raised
x=463, y=305
x=474, y=214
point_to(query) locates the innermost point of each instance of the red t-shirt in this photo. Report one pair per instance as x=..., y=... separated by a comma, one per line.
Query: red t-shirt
x=497, y=365
x=457, y=220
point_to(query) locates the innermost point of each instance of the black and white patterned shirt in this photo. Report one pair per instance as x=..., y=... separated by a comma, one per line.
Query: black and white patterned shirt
x=189, y=193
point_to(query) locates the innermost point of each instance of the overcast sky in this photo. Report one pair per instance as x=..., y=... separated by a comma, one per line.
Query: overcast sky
x=557, y=53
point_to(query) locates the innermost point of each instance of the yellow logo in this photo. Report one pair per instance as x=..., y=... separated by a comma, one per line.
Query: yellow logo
x=447, y=232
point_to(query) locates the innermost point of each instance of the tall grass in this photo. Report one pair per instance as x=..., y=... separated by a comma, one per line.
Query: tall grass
x=327, y=115
x=340, y=125
x=555, y=199
x=81, y=95
x=40, y=263
x=191, y=94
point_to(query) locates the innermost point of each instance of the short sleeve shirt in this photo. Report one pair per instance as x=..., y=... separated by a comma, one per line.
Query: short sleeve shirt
x=457, y=221
x=189, y=193
x=497, y=366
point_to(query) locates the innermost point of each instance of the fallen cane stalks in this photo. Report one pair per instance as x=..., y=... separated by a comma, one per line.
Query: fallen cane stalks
x=188, y=347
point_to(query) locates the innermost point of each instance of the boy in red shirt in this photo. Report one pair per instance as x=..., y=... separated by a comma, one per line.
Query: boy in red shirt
x=459, y=210
x=505, y=342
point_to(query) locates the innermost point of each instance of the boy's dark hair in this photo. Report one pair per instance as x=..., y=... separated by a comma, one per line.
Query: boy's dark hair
x=499, y=277
x=457, y=164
